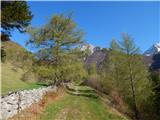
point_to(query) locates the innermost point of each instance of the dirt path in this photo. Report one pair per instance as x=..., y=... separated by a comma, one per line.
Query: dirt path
x=63, y=106
x=34, y=112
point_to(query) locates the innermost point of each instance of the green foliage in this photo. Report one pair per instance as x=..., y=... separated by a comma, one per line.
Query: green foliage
x=45, y=73
x=11, y=79
x=86, y=52
x=126, y=73
x=14, y=14
x=94, y=78
x=81, y=108
x=17, y=55
x=73, y=72
x=60, y=34
x=156, y=88
x=92, y=69
x=29, y=76
x=59, y=41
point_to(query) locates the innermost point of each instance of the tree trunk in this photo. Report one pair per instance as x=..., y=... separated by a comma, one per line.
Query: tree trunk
x=133, y=91
x=134, y=100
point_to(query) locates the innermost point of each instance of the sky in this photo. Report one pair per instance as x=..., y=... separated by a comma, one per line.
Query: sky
x=102, y=21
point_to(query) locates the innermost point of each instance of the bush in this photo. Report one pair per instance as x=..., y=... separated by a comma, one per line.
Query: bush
x=94, y=81
x=29, y=76
x=46, y=74
x=73, y=72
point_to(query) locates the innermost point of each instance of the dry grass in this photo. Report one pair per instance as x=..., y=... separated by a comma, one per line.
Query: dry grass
x=35, y=111
x=63, y=106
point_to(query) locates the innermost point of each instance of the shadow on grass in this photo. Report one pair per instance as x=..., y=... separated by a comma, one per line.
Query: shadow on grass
x=43, y=84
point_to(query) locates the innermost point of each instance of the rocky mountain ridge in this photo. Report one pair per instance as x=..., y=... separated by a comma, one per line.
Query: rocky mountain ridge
x=151, y=57
x=154, y=49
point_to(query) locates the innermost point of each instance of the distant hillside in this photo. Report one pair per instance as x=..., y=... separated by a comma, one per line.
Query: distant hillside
x=16, y=54
x=98, y=56
x=17, y=62
x=11, y=79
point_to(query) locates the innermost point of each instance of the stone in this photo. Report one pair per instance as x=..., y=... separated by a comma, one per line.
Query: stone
x=10, y=102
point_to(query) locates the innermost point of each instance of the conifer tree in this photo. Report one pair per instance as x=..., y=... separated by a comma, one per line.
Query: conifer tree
x=14, y=14
x=59, y=37
x=128, y=73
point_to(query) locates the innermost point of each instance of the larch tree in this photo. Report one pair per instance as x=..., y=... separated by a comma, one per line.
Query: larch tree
x=136, y=74
x=128, y=74
x=58, y=39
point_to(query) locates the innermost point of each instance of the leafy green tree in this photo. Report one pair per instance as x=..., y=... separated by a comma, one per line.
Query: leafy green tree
x=128, y=73
x=93, y=78
x=92, y=69
x=14, y=14
x=156, y=88
x=136, y=73
x=45, y=73
x=59, y=37
x=115, y=62
x=112, y=68
x=72, y=70
x=130, y=50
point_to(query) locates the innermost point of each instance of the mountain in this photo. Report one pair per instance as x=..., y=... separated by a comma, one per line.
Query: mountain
x=96, y=57
x=156, y=62
x=154, y=49
x=88, y=46
x=151, y=59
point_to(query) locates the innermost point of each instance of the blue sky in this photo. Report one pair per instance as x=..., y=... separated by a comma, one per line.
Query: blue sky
x=103, y=21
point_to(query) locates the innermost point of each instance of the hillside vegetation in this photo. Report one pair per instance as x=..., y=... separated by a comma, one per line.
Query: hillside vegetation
x=64, y=106
x=17, y=55
x=79, y=108
x=17, y=61
x=11, y=79
x=121, y=74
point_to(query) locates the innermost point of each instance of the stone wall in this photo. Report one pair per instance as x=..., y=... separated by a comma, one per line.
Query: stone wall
x=15, y=102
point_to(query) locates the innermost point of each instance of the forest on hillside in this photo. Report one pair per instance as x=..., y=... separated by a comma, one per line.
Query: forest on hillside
x=123, y=75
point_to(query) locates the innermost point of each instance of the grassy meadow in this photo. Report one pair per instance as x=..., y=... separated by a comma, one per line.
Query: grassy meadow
x=71, y=107
x=11, y=79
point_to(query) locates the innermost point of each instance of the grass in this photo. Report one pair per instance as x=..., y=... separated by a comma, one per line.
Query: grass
x=83, y=87
x=81, y=91
x=11, y=80
x=80, y=88
x=63, y=106
x=87, y=94
x=79, y=108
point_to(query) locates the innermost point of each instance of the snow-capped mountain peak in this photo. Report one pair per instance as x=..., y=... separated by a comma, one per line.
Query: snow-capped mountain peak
x=153, y=50
x=88, y=46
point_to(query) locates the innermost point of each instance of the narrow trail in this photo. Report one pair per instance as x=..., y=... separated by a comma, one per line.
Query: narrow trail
x=64, y=106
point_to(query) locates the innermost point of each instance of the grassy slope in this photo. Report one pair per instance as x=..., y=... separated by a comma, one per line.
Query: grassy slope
x=79, y=108
x=13, y=50
x=68, y=108
x=11, y=80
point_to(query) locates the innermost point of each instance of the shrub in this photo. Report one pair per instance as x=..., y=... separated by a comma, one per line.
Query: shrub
x=29, y=76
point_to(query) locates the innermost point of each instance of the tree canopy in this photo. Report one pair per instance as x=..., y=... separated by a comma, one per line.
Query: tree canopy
x=14, y=14
x=127, y=74
x=58, y=42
